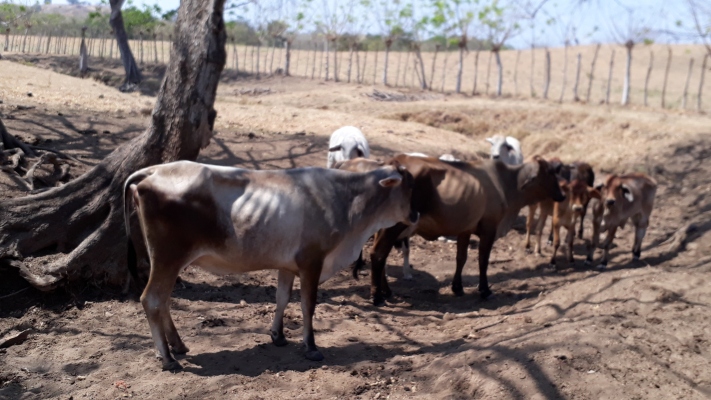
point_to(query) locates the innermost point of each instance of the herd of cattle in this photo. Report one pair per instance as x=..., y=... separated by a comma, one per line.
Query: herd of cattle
x=313, y=222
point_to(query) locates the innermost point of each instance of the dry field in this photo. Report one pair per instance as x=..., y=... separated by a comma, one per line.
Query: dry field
x=638, y=330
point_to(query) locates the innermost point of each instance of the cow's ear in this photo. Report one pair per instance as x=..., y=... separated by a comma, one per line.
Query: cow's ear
x=599, y=187
x=335, y=148
x=627, y=193
x=391, y=181
x=594, y=193
x=490, y=140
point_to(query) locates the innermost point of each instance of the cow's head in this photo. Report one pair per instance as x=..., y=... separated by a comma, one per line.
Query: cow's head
x=350, y=148
x=400, y=183
x=500, y=148
x=580, y=194
x=539, y=180
x=616, y=192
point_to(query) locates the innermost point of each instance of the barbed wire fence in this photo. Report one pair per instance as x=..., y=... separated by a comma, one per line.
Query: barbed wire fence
x=671, y=77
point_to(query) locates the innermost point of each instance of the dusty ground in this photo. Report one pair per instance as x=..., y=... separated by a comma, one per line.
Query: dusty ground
x=638, y=330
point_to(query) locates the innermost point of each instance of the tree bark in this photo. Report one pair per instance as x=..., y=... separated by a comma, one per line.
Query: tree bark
x=686, y=85
x=287, y=57
x=628, y=70
x=460, y=71
x=576, y=98
x=592, y=73
x=701, y=83
x=133, y=74
x=547, y=72
x=75, y=233
x=500, y=67
x=609, y=77
x=666, y=77
x=83, y=56
x=565, y=72
x=515, y=77
x=646, y=78
x=476, y=69
x=432, y=71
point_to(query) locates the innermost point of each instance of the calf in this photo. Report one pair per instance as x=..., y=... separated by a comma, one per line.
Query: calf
x=623, y=197
x=460, y=199
x=507, y=149
x=309, y=222
x=564, y=213
x=347, y=143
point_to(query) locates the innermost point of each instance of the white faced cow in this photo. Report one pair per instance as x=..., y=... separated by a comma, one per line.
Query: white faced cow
x=309, y=222
x=347, y=143
x=507, y=149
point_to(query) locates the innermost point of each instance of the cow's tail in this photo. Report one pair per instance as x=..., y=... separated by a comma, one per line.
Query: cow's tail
x=131, y=255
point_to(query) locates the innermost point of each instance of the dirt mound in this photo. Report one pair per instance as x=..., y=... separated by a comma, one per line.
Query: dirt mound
x=449, y=120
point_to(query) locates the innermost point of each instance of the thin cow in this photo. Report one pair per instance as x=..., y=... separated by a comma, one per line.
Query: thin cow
x=460, y=199
x=309, y=222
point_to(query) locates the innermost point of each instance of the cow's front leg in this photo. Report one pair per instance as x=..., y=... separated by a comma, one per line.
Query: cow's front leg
x=406, y=267
x=462, y=250
x=309, y=278
x=606, y=248
x=382, y=245
x=284, y=287
x=639, y=233
x=486, y=242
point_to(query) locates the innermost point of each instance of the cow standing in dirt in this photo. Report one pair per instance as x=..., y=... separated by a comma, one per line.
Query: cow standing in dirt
x=309, y=222
x=623, y=197
x=460, y=199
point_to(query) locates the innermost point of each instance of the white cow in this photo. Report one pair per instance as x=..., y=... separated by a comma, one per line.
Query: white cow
x=347, y=143
x=507, y=149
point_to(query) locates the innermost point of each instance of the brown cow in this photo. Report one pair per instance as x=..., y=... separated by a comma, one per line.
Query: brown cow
x=460, y=199
x=623, y=197
x=309, y=222
x=578, y=194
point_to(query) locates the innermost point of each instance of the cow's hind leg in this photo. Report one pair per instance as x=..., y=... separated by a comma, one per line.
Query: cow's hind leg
x=176, y=343
x=286, y=283
x=639, y=233
x=156, y=301
x=309, y=277
x=606, y=248
x=462, y=250
x=582, y=221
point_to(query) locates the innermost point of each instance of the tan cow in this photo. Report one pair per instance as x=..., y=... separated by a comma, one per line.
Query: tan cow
x=460, y=199
x=309, y=222
x=623, y=197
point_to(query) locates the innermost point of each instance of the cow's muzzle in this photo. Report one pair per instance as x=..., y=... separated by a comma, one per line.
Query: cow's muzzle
x=414, y=217
x=577, y=207
x=610, y=202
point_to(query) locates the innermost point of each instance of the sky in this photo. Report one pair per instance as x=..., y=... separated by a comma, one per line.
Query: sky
x=579, y=21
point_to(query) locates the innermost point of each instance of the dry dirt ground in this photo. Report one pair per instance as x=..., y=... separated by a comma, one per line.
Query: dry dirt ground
x=638, y=330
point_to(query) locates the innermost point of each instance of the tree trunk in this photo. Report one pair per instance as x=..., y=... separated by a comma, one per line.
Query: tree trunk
x=49, y=42
x=155, y=48
x=533, y=59
x=287, y=57
x=24, y=40
x=609, y=77
x=547, y=75
x=375, y=67
x=515, y=77
x=434, y=61
x=444, y=66
x=686, y=85
x=320, y=64
x=701, y=83
x=500, y=83
x=350, y=62
x=256, y=68
x=460, y=71
x=476, y=69
x=83, y=56
x=418, y=54
x=7, y=39
x=576, y=98
x=313, y=66
x=666, y=77
x=140, y=47
x=365, y=64
x=565, y=72
x=244, y=58
x=133, y=75
x=386, y=63
x=271, y=61
x=76, y=232
x=326, y=53
x=649, y=74
x=488, y=71
x=407, y=66
x=397, y=69
x=335, y=60
x=592, y=73
x=357, y=60
x=628, y=68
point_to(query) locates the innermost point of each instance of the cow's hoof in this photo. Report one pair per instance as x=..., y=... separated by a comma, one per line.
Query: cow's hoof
x=601, y=266
x=588, y=261
x=278, y=340
x=378, y=301
x=485, y=294
x=314, y=355
x=458, y=291
x=181, y=348
x=636, y=255
x=528, y=250
x=172, y=366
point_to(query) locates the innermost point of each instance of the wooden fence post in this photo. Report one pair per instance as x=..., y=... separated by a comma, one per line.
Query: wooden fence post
x=666, y=77
x=547, y=72
x=515, y=77
x=592, y=73
x=646, y=78
x=565, y=71
x=686, y=85
x=576, y=98
x=701, y=83
x=609, y=77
